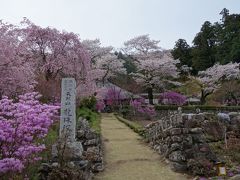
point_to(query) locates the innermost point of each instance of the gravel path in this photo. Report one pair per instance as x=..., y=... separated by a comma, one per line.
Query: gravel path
x=128, y=158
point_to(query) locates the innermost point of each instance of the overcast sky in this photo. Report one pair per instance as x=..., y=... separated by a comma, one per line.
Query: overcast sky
x=115, y=21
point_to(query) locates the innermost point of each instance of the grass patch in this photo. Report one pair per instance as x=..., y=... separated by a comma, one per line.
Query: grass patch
x=133, y=125
x=49, y=140
x=93, y=118
x=190, y=88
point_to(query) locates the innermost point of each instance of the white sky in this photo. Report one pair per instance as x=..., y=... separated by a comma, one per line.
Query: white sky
x=116, y=21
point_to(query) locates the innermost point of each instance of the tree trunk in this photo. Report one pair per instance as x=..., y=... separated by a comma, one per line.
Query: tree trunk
x=203, y=100
x=150, y=95
x=204, y=95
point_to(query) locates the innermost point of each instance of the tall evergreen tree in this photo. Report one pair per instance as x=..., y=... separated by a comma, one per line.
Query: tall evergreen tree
x=128, y=62
x=204, y=47
x=218, y=42
x=228, y=38
x=182, y=52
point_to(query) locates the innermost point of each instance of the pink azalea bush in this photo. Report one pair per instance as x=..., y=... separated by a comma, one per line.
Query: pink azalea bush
x=100, y=105
x=22, y=125
x=114, y=96
x=138, y=106
x=172, y=98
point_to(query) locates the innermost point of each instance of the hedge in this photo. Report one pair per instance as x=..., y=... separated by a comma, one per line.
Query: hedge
x=134, y=126
x=201, y=107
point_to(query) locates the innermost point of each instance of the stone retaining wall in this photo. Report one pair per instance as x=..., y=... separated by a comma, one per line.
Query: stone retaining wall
x=185, y=148
x=183, y=138
x=75, y=165
x=92, y=146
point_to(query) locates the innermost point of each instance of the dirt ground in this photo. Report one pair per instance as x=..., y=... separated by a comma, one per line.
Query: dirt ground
x=128, y=158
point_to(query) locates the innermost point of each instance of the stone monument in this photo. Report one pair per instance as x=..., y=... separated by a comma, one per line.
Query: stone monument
x=67, y=145
x=68, y=109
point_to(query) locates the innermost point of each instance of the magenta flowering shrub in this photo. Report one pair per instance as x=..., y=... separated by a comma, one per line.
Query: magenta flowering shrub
x=100, y=105
x=139, y=106
x=114, y=96
x=22, y=125
x=172, y=98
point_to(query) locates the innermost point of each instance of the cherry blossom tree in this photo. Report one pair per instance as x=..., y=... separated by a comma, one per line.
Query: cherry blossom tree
x=212, y=78
x=109, y=66
x=155, y=73
x=16, y=74
x=58, y=54
x=104, y=61
x=95, y=49
x=154, y=66
x=47, y=52
x=142, y=47
x=54, y=52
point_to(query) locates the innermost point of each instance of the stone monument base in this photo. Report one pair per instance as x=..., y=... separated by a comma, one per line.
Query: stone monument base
x=67, y=151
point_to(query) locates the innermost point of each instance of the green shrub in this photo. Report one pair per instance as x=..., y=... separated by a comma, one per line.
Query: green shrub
x=92, y=117
x=89, y=102
x=125, y=111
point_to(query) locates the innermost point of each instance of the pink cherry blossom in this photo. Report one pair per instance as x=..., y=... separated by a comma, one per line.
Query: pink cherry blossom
x=155, y=67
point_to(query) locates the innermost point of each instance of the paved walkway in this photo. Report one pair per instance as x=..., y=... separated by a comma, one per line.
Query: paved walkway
x=128, y=158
